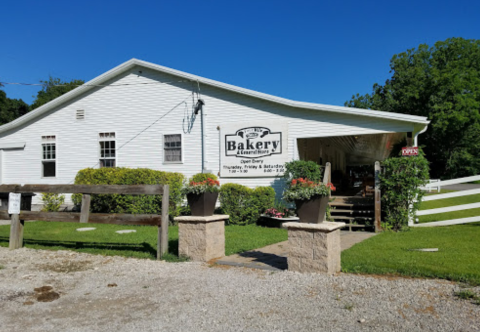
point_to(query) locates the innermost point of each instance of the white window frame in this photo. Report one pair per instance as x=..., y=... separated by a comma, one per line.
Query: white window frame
x=182, y=147
x=108, y=139
x=44, y=141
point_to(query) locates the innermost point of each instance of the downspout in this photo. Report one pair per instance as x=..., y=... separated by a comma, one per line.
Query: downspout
x=415, y=137
x=199, y=108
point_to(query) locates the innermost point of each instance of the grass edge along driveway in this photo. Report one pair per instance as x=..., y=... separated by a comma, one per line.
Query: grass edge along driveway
x=141, y=244
x=457, y=259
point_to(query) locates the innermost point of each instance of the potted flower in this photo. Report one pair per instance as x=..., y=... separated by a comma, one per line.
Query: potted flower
x=277, y=215
x=311, y=199
x=202, y=192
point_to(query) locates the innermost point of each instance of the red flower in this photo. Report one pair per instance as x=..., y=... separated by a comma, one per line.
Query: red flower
x=331, y=186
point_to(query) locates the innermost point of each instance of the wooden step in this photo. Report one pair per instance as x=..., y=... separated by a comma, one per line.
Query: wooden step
x=352, y=211
x=350, y=205
x=353, y=218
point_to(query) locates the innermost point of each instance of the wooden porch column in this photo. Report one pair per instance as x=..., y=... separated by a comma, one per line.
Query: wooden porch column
x=378, y=198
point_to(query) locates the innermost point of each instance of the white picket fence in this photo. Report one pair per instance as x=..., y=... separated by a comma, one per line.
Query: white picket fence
x=438, y=184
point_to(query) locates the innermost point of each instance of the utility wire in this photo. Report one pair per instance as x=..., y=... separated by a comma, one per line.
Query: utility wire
x=99, y=85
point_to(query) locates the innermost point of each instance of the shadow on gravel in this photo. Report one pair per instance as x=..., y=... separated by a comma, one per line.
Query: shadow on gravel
x=278, y=262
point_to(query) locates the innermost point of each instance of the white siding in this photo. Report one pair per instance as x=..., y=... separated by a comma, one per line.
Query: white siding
x=141, y=114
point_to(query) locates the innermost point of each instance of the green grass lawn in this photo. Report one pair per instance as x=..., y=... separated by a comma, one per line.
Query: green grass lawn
x=449, y=202
x=458, y=257
x=142, y=244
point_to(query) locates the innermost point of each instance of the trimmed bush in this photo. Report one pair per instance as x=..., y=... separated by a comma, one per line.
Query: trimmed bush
x=264, y=198
x=303, y=169
x=401, y=193
x=243, y=204
x=134, y=204
x=52, y=202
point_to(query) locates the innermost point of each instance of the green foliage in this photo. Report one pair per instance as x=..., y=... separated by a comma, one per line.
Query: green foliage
x=400, y=184
x=443, y=83
x=243, y=204
x=135, y=204
x=10, y=109
x=200, y=177
x=301, y=189
x=54, y=88
x=52, y=202
x=303, y=169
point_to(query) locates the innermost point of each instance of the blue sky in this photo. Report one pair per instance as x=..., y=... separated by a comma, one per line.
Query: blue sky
x=315, y=51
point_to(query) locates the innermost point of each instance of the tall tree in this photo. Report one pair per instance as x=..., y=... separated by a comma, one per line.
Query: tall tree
x=52, y=89
x=10, y=109
x=443, y=83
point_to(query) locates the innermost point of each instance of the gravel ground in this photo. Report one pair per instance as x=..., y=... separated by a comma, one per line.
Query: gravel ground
x=97, y=293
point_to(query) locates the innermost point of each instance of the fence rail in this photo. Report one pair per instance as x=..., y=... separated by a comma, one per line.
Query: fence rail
x=138, y=189
x=454, y=208
x=161, y=221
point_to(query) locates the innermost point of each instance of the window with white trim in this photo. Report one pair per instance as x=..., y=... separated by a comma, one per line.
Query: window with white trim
x=172, y=148
x=107, y=149
x=49, y=157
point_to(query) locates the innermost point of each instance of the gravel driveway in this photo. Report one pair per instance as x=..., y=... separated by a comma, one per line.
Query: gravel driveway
x=66, y=291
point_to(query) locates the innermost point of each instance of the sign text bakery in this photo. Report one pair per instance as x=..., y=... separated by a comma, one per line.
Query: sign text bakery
x=253, y=150
x=253, y=142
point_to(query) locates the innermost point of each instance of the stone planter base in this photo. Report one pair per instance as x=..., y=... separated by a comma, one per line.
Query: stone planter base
x=201, y=238
x=314, y=247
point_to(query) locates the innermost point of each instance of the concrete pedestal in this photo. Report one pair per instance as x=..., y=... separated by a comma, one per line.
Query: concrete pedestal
x=201, y=238
x=314, y=247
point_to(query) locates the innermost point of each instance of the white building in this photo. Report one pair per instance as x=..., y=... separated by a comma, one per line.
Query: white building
x=141, y=114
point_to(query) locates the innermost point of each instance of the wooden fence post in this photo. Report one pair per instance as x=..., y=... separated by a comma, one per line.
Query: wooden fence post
x=16, y=232
x=162, y=242
x=85, y=211
x=378, y=198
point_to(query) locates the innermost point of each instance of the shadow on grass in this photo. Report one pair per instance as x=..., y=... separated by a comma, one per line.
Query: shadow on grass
x=143, y=247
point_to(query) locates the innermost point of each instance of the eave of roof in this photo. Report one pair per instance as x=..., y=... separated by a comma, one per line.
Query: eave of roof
x=135, y=62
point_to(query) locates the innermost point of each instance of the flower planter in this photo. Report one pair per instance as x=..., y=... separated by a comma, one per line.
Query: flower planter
x=202, y=204
x=274, y=221
x=312, y=210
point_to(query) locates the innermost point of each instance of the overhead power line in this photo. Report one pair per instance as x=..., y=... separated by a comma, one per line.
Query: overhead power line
x=99, y=85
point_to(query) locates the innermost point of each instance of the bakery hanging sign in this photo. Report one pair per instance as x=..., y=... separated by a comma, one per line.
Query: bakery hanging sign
x=253, y=150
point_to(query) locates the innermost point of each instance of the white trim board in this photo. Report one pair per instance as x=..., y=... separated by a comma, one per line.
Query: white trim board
x=15, y=145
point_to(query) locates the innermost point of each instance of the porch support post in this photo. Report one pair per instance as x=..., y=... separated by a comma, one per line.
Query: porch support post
x=378, y=198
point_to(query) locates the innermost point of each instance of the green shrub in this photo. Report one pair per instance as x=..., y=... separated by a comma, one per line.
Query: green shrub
x=135, y=204
x=200, y=177
x=264, y=198
x=52, y=202
x=303, y=169
x=400, y=184
x=244, y=205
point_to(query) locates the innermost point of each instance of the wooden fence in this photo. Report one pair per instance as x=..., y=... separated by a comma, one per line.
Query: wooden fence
x=462, y=207
x=161, y=221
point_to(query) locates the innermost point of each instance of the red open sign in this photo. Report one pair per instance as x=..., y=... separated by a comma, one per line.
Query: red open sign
x=410, y=151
